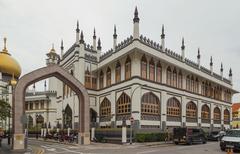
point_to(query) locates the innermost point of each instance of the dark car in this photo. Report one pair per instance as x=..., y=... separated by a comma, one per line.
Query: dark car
x=216, y=135
x=189, y=135
x=231, y=140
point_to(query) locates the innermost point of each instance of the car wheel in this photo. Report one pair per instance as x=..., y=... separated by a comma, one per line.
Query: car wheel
x=204, y=141
x=223, y=149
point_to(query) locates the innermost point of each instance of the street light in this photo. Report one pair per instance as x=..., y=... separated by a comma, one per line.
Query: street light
x=131, y=119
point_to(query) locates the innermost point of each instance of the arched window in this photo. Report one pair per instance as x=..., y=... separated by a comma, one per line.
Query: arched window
x=188, y=83
x=203, y=89
x=108, y=79
x=205, y=113
x=118, y=72
x=144, y=67
x=217, y=115
x=105, y=110
x=101, y=80
x=169, y=75
x=128, y=68
x=39, y=120
x=150, y=107
x=196, y=87
x=174, y=82
x=191, y=112
x=180, y=79
x=123, y=106
x=152, y=70
x=173, y=107
x=159, y=72
x=192, y=84
x=87, y=79
x=226, y=116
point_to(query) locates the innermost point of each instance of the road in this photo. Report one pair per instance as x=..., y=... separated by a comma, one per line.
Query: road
x=96, y=148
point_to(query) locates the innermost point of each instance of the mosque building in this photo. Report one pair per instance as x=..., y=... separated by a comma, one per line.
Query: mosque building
x=136, y=79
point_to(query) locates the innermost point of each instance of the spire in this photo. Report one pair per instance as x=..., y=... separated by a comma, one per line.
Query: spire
x=183, y=46
x=136, y=18
x=162, y=35
x=62, y=47
x=77, y=29
x=52, y=50
x=45, y=85
x=81, y=37
x=211, y=61
x=5, y=45
x=230, y=72
x=94, y=33
x=198, y=56
x=99, y=44
x=115, y=32
x=221, y=67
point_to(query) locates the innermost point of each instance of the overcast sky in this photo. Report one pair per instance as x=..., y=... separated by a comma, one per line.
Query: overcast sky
x=214, y=26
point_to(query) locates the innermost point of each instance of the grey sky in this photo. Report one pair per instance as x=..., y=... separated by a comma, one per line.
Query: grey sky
x=32, y=26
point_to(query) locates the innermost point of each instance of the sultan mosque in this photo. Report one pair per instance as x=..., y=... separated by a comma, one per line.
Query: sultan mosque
x=136, y=78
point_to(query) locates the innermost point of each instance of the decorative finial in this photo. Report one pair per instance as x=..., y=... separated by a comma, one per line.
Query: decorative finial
x=45, y=84
x=81, y=38
x=163, y=34
x=136, y=19
x=230, y=72
x=62, y=45
x=34, y=86
x=198, y=56
x=221, y=67
x=5, y=44
x=115, y=32
x=211, y=61
x=77, y=30
x=52, y=50
x=94, y=33
x=99, y=44
x=183, y=46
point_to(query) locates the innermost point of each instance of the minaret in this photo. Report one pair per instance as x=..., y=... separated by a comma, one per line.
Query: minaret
x=136, y=25
x=34, y=89
x=183, y=50
x=163, y=38
x=77, y=33
x=99, y=48
x=62, y=49
x=211, y=65
x=114, y=38
x=230, y=75
x=94, y=40
x=81, y=38
x=221, y=71
x=45, y=85
x=198, y=58
x=53, y=57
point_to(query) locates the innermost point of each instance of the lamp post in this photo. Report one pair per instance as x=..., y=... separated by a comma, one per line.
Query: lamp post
x=132, y=119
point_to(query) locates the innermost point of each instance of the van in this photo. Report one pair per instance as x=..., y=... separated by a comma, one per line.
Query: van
x=231, y=140
x=189, y=135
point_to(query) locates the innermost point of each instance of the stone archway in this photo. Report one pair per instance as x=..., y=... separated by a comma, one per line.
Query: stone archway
x=38, y=75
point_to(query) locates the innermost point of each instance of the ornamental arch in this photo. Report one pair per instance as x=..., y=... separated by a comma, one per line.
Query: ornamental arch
x=38, y=75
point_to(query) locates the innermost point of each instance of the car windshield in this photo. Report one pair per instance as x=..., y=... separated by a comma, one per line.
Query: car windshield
x=233, y=133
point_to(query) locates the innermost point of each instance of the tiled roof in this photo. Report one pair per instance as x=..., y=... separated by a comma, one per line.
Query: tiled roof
x=235, y=107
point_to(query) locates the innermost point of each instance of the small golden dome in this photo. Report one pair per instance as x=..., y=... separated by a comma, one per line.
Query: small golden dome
x=8, y=64
x=52, y=50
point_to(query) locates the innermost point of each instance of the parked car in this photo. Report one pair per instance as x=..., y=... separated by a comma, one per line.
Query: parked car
x=189, y=135
x=216, y=135
x=231, y=140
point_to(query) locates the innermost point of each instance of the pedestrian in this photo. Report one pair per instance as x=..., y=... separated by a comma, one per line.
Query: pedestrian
x=1, y=136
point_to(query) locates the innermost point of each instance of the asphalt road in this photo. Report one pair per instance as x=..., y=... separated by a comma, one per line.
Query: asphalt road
x=55, y=148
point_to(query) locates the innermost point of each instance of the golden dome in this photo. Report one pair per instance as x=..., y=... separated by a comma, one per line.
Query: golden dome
x=8, y=64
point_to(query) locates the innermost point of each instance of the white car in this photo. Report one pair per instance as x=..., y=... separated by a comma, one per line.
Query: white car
x=231, y=140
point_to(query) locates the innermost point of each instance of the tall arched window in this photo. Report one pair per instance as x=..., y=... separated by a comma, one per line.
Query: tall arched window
x=128, y=68
x=105, y=110
x=180, y=79
x=144, y=67
x=191, y=112
x=226, y=116
x=205, y=114
x=196, y=87
x=188, y=83
x=87, y=79
x=108, y=79
x=192, y=84
x=173, y=109
x=217, y=115
x=174, y=82
x=150, y=107
x=159, y=72
x=101, y=80
x=203, y=89
x=123, y=107
x=118, y=72
x=152, y=70
x=169, y=75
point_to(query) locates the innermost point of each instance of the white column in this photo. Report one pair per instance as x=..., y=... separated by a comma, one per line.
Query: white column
x=164, y=73
x=163, y=107
x=222, y=114
x=136, y=102
x=183, y=103
x=124, y=134
x=199, y=111
x=92, y=133
x=113, y=107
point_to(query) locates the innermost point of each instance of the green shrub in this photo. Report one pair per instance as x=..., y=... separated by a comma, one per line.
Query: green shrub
x=150, y=137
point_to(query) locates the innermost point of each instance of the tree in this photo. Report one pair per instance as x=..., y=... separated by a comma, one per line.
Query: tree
x=5, y=109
